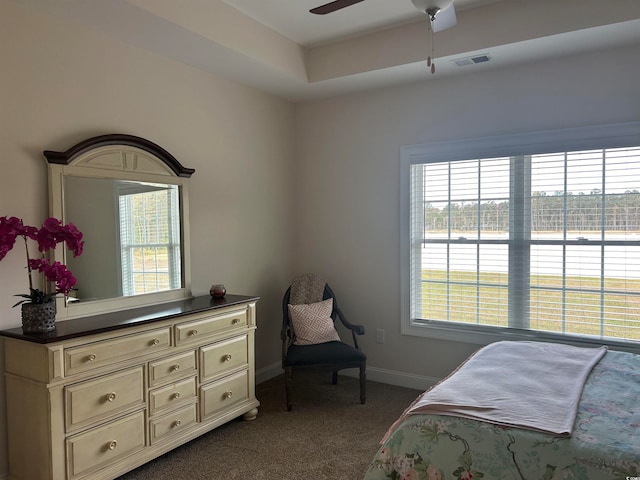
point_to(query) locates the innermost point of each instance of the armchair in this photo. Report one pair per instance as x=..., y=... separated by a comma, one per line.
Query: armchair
x=333, y=355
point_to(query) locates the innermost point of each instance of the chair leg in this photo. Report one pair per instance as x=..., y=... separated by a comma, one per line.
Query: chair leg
x=334, y=378
x=363, y=382
x=288, y=382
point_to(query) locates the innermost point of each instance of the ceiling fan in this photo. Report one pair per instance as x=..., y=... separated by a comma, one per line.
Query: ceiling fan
x=442, y=14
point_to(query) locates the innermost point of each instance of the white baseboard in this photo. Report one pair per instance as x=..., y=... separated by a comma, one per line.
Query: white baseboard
x=269, y=372
x=390, y=377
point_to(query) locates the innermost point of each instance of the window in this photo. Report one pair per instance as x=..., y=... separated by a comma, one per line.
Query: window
x=536, y=235
x=149, y=238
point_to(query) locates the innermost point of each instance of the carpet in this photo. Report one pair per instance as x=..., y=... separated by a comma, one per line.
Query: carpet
x=327, y=435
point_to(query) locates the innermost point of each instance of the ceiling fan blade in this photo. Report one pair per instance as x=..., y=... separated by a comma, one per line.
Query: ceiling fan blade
x=333, y=6
x=444, y=19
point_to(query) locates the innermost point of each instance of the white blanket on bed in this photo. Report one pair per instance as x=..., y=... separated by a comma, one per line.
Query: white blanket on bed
x=523, y=384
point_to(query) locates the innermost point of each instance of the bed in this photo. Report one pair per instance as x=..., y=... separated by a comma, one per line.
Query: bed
x=598, y=436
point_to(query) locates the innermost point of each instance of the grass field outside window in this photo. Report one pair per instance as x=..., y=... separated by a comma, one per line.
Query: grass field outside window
x=573, y=307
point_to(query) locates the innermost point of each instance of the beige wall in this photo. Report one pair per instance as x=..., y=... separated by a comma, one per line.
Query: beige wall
x=60, y=84
x=348, y=159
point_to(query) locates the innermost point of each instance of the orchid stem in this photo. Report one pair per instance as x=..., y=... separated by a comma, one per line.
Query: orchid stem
x=26, y=248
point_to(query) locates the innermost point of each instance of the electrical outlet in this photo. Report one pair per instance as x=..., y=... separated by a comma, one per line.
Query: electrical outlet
x=379, y=335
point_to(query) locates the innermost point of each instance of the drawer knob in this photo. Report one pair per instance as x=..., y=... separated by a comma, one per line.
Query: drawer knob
x=228, y=394
x=176, y=395
x=177, y=423
x=176, y=367
x=235, y=321
x=91, y=358
x=155, y=341
x=111, y=396
x=226, y=358
x=112, y=445
x=193, y=332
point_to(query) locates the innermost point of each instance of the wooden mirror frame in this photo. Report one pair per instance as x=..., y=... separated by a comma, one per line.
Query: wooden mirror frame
x=119, y=157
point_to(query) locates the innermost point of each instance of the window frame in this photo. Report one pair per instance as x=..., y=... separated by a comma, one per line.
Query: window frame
x=173, y=246
x=618, y=135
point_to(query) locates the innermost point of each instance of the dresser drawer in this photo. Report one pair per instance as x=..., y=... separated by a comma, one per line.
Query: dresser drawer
x=172, y=423
x=223, y=394
x=220, y=358
x=198, y=329
x=105, y=396
x=171, y=368
x=108, y=444
x=90, y=356
x=172, y=396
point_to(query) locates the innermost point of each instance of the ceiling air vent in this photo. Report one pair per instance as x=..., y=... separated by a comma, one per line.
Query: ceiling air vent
x=461, y=62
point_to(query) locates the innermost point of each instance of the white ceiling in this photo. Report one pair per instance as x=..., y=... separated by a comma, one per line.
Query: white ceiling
x=292, y=19
x=279, y=47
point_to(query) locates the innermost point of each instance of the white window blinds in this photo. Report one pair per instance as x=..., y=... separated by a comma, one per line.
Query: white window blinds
x=544, y=242
x=150, y=239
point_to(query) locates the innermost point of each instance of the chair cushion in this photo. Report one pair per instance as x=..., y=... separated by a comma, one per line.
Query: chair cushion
x=323, y=353
x=312, y=323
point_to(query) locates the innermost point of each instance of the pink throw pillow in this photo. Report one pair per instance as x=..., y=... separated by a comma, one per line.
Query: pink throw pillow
x=312, y=323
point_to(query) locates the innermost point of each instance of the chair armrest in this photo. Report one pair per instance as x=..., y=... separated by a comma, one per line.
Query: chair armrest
x=355, y=329
x=358, y=329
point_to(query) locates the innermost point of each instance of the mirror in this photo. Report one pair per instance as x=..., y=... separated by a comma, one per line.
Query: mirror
x=132, y=237
x=129, y=198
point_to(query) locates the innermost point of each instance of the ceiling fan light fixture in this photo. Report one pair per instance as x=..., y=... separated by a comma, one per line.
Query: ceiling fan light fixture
x=424, y=5
x=432, y=12
x=441, y=13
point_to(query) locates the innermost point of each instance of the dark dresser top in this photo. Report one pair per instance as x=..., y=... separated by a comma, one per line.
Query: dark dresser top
x=80, y=327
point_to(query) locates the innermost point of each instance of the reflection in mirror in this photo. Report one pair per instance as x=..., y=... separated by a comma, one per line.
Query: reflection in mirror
x=132, y=237
x=129, y=197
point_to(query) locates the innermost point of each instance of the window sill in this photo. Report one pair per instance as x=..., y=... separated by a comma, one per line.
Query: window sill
x=480, y=335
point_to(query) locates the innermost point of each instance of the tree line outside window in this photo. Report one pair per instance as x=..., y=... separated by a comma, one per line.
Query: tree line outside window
x=583, y=212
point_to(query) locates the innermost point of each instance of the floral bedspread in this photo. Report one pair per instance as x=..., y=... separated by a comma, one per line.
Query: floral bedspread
x=604, y=445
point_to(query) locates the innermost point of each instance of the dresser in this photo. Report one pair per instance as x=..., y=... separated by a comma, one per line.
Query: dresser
x=102, y=395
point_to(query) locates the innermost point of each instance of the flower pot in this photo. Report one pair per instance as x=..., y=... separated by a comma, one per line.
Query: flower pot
x=38, y=317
